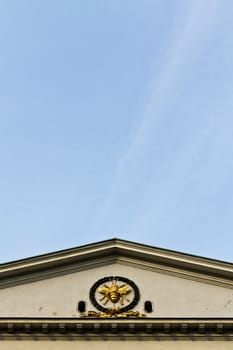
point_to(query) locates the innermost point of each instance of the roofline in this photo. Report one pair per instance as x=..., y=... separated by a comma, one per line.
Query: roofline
x=111, y=251
x=110, y=240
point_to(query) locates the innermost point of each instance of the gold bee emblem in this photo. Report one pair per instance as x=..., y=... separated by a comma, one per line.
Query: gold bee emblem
x=121, y=292
x=114, y=293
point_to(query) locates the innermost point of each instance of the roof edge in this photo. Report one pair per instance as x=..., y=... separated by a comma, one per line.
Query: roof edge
x=104, y=242
x=110, y=249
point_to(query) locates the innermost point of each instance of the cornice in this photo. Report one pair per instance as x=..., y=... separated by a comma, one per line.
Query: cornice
x=115, y=250
x=157, y=329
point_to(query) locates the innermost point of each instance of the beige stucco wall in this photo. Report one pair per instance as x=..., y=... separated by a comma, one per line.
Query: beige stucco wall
x=171, y=296
x=116, y=345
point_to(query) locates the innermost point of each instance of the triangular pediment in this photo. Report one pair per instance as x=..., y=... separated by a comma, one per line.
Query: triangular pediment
x=176, y=284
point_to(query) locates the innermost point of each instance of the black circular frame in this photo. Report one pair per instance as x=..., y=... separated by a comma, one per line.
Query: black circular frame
x=130, y=306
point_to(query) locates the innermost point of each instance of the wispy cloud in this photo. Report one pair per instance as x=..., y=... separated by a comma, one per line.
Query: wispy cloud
x=191, y=28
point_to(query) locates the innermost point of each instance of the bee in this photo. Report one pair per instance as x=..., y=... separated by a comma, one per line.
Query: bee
x=114, y=293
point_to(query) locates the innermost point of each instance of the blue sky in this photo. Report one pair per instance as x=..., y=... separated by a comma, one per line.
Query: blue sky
x=116, y=121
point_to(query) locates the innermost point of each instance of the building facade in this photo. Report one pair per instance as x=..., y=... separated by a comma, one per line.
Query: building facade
x=115, y=295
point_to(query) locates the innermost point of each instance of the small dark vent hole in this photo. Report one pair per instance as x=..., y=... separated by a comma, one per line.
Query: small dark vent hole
x=81, y=306
x=148, y=306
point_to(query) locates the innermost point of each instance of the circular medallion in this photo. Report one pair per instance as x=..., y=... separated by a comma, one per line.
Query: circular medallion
x=114, y=292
